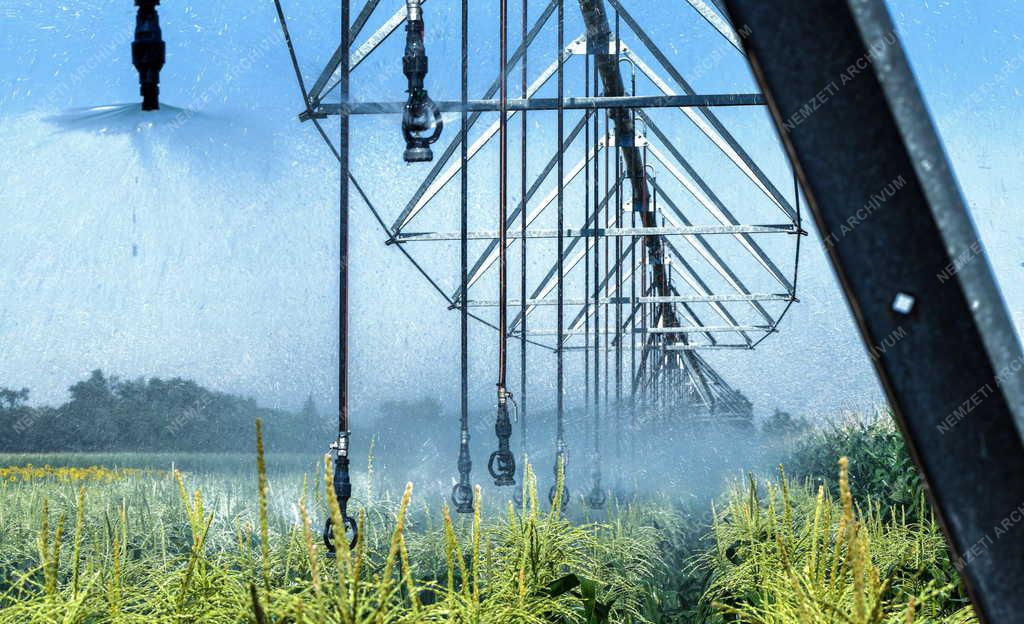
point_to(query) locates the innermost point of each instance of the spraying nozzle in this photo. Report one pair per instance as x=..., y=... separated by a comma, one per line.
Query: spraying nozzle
x=343, y=491
x=148, y=53
x=421, y=118
x=502, y=464
x=597, y=497
x=561, y=465
x=462, y=493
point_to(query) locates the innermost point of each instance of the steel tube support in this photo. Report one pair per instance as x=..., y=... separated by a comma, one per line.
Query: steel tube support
x=853, y=122
x=462, y=492
x=523, y=86
x=342, y=484
x=524, y=103
x=502, y=464
x=561, y=461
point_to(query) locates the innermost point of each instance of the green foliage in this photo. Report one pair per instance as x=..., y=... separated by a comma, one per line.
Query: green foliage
x=880, y=467
x=786, y=553
x=154, y=547
x=12, y=399
x=218, y=545
x=106, y=413
x=783, y=424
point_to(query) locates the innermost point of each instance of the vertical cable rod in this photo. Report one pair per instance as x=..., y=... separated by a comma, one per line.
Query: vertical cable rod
x=618, y=287
x=522, y=230
x=462, y=493
x=597, y=254
x=586, y=253
x=341, y=483
x=502, y=463
x=343, y=282
x=632, y=336
x=503, y=202
x=606, y=266
x=560, y=352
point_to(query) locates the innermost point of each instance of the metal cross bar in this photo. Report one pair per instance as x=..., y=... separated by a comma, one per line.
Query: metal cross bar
x=689, y=230
x=487, y=303
x=654, y=330
x=712, y=257
x=546, y=104
x=490, y=255
x=679, y=346
x=550, y=281
x=913, y=268
x=697, y=284
x=707, y=347
x=587, y=312
x=357, y=57
x=722, y=26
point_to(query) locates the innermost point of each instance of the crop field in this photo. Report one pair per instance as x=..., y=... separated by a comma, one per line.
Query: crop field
x=129, y=538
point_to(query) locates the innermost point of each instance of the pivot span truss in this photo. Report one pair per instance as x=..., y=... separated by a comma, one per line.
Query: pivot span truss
x=658, y=269
x=642, y=302
x=959, y=337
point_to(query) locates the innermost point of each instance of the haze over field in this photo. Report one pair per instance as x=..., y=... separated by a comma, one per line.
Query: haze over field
x=201, y=241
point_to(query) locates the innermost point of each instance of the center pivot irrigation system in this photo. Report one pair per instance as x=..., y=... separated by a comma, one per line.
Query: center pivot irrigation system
x=957, y=337
x=640, y=312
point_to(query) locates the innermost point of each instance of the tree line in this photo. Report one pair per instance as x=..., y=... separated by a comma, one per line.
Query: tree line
x=109, y=414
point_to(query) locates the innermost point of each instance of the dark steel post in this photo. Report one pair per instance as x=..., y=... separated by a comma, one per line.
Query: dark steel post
x=502, y=464
x=522, y=230
x=462, y=492
x=914, y=272
x=340, y=448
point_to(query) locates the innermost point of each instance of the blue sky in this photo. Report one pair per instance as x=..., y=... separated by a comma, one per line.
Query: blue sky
x=235, y=209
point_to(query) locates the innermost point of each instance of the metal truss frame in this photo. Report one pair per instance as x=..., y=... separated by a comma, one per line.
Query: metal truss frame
x=640, y=243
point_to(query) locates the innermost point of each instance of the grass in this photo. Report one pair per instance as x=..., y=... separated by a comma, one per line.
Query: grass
x=790, y=553
x=150, y=546
x=130, y=540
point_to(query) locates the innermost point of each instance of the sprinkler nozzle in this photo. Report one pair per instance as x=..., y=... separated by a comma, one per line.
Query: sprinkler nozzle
x=421, y=118
x=149, y=53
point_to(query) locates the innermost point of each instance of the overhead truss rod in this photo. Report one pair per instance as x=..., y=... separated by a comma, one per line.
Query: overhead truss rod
x=530, y=104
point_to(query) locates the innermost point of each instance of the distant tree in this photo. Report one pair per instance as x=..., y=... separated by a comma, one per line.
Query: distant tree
x=106, y=413
x=12, y=399
x=782, y=424
x=315, y=425
x=93, y=392
x=16, y=419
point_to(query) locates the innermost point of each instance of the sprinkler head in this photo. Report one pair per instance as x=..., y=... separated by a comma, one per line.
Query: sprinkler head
x=596, y=498
x=462, y=498
x=342, y=485
x=462, y=494
x=502, y=463
x=148, y=53
x=421, y=118
x=565, y=494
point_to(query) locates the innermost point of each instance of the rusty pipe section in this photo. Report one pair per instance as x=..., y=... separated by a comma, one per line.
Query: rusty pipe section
x=502, y=464
x=595, y=16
